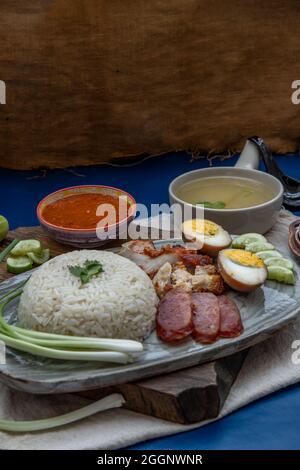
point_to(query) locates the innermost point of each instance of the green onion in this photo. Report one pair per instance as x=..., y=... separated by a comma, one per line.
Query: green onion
x=112, y=401
x=62, y=346
x=8, y=249
x=34, y=342
x=52, y=353
x=66, y=342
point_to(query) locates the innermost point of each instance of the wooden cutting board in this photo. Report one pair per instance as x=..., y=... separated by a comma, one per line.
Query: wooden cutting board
x=186, y=396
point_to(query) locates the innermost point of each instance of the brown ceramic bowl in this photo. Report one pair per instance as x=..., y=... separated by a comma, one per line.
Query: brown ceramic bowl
x=85, y=238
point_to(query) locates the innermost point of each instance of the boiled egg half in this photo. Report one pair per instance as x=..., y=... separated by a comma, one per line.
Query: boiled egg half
x=241, y=270
x=210, y=236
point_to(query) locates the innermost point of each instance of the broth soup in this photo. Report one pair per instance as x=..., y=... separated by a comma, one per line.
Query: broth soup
x=225, y=192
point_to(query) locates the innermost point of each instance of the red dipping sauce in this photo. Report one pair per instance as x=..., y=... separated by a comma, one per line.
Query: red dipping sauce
x=79, y=211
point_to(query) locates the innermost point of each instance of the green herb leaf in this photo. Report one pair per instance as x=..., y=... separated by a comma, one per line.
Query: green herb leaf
x=212, y=205
x=76, y=270
x=86, y=272
x=84, y=277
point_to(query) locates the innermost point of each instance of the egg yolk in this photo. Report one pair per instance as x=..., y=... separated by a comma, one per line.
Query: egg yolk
x=245, y=258
x=204, y=226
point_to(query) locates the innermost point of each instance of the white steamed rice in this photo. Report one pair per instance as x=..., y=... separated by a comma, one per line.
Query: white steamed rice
x=118, y=303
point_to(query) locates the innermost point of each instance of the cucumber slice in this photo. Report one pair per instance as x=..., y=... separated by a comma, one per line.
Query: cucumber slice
x=25, y=246
x=283, y=262
x=39, y=258
x=256, y=247
x=268, y=254
x=280, y=274
x=18, y=265
x=242, y=240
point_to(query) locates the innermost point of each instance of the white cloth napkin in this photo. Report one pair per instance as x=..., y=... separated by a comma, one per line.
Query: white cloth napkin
x=267, y=368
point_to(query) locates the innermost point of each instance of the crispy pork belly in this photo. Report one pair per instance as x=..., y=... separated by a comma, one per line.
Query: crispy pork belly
x=192, y=260
x=139, y=252
x=181, y=278
x=162, y=279
x=174, y=267
x=150, y=259
x=207, y=279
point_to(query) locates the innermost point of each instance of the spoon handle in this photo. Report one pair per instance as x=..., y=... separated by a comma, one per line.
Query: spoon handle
x=267, y=156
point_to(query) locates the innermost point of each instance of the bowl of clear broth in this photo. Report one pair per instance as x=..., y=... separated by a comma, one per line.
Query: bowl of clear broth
x=241, y=198
x=86, y=216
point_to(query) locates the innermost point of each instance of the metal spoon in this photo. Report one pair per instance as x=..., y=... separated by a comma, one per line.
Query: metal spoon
x=291, y=196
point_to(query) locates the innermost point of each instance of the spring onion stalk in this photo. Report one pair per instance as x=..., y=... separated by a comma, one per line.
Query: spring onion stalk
x=12, y=294
x=62, y=346
x=79, y=343
x=112, y=401
x=8, y=249
x=102, y=356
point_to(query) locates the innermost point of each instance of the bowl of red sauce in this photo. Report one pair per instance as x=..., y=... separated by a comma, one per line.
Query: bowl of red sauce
x=86, y=216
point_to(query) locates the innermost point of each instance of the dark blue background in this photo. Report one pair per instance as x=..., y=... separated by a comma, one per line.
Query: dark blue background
x=270, y=423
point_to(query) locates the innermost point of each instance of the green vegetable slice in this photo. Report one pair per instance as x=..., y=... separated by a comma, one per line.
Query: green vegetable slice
x=39, y=258
x=268, y=254
x=212, y=205
x=26, y=246
x=18, y=265
x=242, y=240
x=256, y=247
x=280, y=274
x=282, y=262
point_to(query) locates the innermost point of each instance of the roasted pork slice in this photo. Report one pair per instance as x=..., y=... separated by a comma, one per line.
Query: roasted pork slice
x=174, y=316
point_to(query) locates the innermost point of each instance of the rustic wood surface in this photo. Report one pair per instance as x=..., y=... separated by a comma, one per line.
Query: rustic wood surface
x=186, y=396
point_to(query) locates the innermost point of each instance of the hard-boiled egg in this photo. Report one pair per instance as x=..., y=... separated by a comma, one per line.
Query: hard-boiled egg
x=211, y=237
x=242, y=270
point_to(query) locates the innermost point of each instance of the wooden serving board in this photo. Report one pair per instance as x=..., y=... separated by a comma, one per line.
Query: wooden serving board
x=186, y=396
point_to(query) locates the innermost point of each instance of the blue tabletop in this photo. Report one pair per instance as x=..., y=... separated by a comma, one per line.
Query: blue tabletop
x=270, y=423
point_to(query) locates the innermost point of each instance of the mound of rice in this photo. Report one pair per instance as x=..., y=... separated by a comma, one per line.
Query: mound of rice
x=118, y=303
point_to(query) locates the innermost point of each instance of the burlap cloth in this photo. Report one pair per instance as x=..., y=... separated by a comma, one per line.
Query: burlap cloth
x=88, y=81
